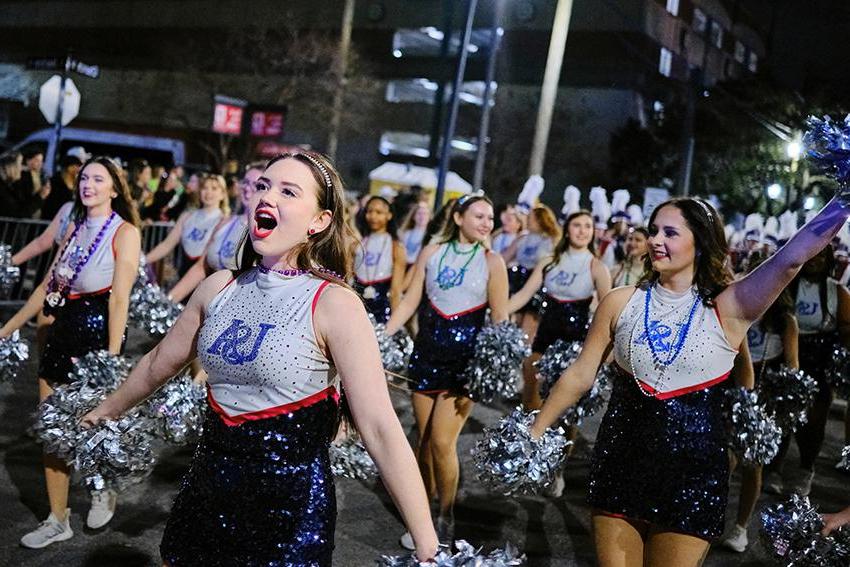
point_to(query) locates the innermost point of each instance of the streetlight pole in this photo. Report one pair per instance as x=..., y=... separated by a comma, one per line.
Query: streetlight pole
x=451, y=121
x=483, y=139
x=342, y=67
x=557, y=45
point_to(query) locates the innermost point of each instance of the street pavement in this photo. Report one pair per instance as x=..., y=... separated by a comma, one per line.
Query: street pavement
x=552, y=532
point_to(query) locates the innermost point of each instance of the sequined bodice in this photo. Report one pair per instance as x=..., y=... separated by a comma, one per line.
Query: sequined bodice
x=373, y=259
x=258, y=345
x=570, y=278
x=197, y=231
x=454, y=282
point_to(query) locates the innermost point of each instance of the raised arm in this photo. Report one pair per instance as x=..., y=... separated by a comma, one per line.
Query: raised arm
x=579, y=377
x=128, y=248
x=173, y=352
x=745, y=300
x=170, y=242
x=410, y=303
x=497, y=288
x=532, y=284
x=355, y=354
x=509, y=253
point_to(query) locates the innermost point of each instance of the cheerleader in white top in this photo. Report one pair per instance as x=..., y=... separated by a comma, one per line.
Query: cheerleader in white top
x=379, y=260
x=659, y=476
x=508, y=232
x=194, y=228
x=460, y=279
x=569, y=281
x=282, y=340
x=412, y=232
x=630, y=270
x=222, y=248
x=88, y=293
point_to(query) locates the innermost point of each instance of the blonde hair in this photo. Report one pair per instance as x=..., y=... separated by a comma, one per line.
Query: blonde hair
x=224, y=204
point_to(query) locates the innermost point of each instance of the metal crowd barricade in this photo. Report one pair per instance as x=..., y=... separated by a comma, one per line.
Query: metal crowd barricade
x=19, y=232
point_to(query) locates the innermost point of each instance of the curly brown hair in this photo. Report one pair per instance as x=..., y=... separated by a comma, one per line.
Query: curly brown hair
x=711, y=269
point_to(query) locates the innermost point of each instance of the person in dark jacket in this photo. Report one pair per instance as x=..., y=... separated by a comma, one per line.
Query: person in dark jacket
x=13, y=203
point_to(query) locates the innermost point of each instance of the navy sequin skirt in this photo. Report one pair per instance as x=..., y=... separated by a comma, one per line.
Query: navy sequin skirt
x=379, y=306
x=663, y=461
x=442, y=349
x=80, y=327
x=567, y=321
x=517, y=276
x=258, y=493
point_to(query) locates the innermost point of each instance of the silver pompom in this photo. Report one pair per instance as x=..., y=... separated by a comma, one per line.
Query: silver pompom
x=558, y=357
x=509, y=461
x=13, y=353
x=351, y=460
x=101, y=369
x=844, y=463
x=113, y=454
x=151, y=310
x=787, y=395
x=755, y=435
x=57, y=418
x=9, y=274
x=467, y=556
x=494, y=370
x=839, y=374
x=790, y=532
x=395, y=350
x=176, y=410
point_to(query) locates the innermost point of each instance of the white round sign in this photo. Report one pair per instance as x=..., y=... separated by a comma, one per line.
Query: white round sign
x=49, y=99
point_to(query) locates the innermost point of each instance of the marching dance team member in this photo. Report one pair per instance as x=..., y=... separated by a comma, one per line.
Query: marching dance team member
x=379, y=263
x=659, y=475
x=194, y=228
x=511, y=227
x=630, y=270
x=88, y=293
x=280, y=339
x=412, y=232
x=461, y=279
x=220, y=253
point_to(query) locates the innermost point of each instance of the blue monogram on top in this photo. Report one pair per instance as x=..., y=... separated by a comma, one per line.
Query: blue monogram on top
x=755, y=337
x=197, y=234
x=228, y=249
x=660, y=336
x=449, y=277
x=372, y=258
x=563, y=278
x=229, y=344
x=807, y=308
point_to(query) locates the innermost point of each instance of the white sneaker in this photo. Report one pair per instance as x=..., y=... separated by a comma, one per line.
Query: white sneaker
x=102, y=508
x=803, y=483
x=773, y=483
x=49, y=531
x=737, y=539
x=406, y=541
x=556, y=488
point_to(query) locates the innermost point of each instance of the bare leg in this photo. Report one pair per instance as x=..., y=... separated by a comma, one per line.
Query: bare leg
x=423, y=407
x=668, y=548
x=750, y=491
x=56, y=472
x=619, y=542
x=530, y=385
x=449, y=415
x=529, y=323
x=43, y=323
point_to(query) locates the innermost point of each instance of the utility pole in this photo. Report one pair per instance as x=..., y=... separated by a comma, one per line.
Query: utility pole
x=557, y=45
x=451, y=121
x=57, y=125
x=496, y=33
x=342, y=67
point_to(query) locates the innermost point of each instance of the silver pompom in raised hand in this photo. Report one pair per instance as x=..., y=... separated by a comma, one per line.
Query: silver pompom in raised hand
x=493, y=372
x=176, y=410
x=787, y=395
x=9, y=274
x=13, y=353
x=350, y=459
x=790, y=532
x=755, y=435
x=467, y=556
x=509, y=461
x=827, y=144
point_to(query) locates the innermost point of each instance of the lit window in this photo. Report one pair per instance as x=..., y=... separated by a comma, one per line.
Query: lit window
x=700, y=23
x=673, y=7
x=665, y=62
x=754, y=62
x=716, y=35
x=740, y=52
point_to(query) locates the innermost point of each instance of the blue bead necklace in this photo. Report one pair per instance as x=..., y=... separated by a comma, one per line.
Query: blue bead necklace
x=681, y=335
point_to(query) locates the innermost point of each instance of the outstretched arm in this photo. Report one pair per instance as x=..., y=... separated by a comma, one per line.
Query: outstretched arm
x=497, y=288
x=40, y=244
x=190, y=280
x=170, y=243
x=532, y=284
x=408, y=305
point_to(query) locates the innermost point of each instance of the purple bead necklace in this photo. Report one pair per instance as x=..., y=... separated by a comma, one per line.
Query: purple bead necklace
x=58, y=287
x=292, y=272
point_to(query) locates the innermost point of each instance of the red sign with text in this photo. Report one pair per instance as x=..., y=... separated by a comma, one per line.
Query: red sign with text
x=266, y=124
x=227, y=119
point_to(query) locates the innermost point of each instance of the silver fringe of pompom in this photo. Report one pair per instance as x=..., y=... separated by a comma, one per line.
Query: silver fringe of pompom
x=351, y=460
x=101, y=369
x=787, y=395
x=114, y=454
x=466, y=556
x=509, y=461
x=176, y=410
x=151, y=310
x=9, y=274
x=558, y=357
x=790, y=532
x=844, y=463
x=494, y=370
x=755, y=435
x=839, y=374
x=57, y=418
x=395, y=350
x=13, y=353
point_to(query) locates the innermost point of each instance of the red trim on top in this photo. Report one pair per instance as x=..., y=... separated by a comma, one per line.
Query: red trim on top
x=316, y=296
x=459, y=313
x=230, y=281
x=284, y=409
x=675, y=393
x=373, y=281
x=89, y=294
x=570, y=300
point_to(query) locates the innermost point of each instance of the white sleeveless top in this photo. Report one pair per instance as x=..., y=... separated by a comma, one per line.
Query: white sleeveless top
x=259, y=348
x=502, y=241
x=412, y=240
x=64, y=216
x=570, y=279
x=763, y=344
x=809, y=311
x=446, y=267
x=96, y=275
x=531, y=248
x=705, y=357
x=373, y=259
x=224, y=244
x=197, y=230
x=628, y=276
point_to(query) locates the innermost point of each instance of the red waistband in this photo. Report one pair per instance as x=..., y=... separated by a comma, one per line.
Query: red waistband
x=674, y=393
x=459, y=313
x=284, y=409
x=89, y=294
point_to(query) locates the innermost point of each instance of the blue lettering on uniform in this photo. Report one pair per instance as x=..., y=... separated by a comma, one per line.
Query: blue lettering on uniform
x=564, y=279
x=372, y=258
x=657, y=334
x=237, y=334
x=228, y=249
x=755, y=338
x=806, y=308
x=197, y=234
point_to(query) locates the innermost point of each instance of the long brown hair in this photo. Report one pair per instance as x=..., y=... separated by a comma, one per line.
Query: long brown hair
x=711, y=268
x=122, y=204
x=564, y=243
x=451, y=230
x=323, y=254
x=547, y=221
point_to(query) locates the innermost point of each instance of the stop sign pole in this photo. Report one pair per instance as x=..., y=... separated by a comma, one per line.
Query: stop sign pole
x=57, y=125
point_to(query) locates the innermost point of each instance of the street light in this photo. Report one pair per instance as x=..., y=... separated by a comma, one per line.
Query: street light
x=774, y=190
x=809, y=203
x=794, y=149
